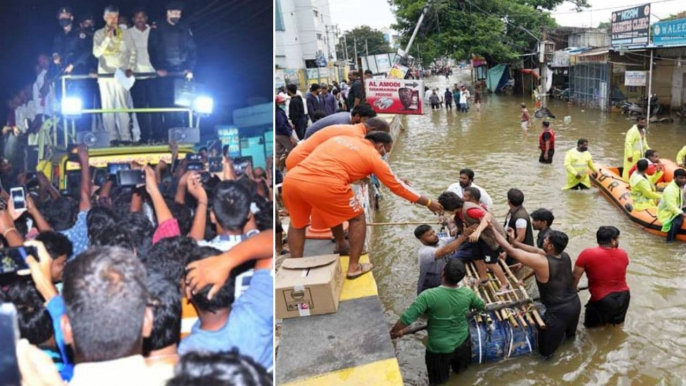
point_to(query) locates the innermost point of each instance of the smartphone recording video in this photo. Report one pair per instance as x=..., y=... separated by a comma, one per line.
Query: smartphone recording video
x=18, y=196
x=240, y=164
x=130, y=177
x=13, y=260
x=113, y=168
x=215, y=164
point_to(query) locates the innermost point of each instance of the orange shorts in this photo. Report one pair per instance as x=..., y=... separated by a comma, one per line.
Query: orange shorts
x=333, y=203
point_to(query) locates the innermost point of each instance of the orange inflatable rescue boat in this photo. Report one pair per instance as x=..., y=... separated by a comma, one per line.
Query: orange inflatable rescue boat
x=609, y=182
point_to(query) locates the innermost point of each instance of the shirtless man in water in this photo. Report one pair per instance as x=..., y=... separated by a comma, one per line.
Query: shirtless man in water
x=526, y=118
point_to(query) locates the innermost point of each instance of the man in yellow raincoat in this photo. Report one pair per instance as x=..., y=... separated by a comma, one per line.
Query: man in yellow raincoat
x=669, y=211
x=577, y=163
x=680, y=157
x=635, y=145
x=643, y=192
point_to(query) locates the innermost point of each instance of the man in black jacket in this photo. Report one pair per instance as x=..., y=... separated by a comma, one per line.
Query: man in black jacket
x=296, y=111
x=172, y=50
x=314, y=103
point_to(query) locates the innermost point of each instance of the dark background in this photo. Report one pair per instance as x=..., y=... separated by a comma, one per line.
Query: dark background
x=234, y=39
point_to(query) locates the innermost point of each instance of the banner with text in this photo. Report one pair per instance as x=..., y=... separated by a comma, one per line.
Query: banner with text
x=635, y=78
x=630, y=27
x=395, y=96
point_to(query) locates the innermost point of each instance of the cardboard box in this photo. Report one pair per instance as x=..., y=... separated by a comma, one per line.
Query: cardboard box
x=308, y=286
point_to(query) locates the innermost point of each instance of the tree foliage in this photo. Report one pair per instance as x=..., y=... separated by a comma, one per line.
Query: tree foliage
x=500, y=30
x=374, y=39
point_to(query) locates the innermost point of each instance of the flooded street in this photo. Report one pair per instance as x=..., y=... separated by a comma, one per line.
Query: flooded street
x=650, y=348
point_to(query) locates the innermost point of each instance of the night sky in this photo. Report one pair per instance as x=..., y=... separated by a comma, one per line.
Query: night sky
x=234, y=39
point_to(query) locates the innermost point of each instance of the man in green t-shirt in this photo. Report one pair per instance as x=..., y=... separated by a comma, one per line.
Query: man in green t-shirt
x=447, y=306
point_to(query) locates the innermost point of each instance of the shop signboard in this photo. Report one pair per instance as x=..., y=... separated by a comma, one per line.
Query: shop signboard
x=669, y=33
x=398, y=72
x=635, y=78
x=395, y=96
x=630, y=27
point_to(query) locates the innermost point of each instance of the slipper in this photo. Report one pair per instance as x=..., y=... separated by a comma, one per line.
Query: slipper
x=366, y=268
x=506, y=290
x=483, y=282
x=284, y=252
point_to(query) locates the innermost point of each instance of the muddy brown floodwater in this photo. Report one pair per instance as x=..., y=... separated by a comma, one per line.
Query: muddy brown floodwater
x=651, y=346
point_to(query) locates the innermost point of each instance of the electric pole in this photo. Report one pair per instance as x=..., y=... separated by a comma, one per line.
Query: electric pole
x=543, y=72
x=345, y=45
x=328, y=45
x=366, y=47
x=355, y=42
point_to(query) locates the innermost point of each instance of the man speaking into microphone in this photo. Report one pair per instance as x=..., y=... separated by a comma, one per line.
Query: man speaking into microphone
x=115, y=50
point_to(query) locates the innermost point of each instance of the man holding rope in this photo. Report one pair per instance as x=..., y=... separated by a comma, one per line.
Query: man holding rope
x=322, y=182
x=449, y=344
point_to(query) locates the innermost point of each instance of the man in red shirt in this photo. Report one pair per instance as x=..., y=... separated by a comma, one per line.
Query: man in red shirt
x=605, y=267
x=654, y=166
x=546, y=142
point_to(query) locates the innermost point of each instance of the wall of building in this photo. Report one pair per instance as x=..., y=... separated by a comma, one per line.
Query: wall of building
x=589, y=39
x=288, y=49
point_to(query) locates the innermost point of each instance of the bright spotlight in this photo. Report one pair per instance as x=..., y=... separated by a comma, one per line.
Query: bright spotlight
x=204, y=105
x=72, y=106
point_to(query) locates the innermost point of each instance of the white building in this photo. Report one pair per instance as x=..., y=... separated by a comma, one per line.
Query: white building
x=391, y=37
x=301, y=36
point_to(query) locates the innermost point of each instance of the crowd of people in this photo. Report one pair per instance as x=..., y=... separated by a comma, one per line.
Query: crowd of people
x=155, y=55
x=169, y=282
x=459, y=94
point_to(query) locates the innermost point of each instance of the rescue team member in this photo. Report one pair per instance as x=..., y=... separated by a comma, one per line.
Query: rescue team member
x=643, y=192
x=484, y=247
x=446, y=307
x=681, y=157
x=553, y=270
x=359, y=114
x=542, y=220
x=546, y=142
x=577, y=164
x=635, y=144
x=670, y=209
x=605, y=267
x=360, y=130
x=322, y=182
x=305, y=148
x=115, y=50
x=655, y=171
x=433, y=255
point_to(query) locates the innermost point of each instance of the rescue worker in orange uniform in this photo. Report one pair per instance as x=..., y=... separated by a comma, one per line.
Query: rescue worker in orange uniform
x=359, y=130
x=304, y=148
x=322, y=183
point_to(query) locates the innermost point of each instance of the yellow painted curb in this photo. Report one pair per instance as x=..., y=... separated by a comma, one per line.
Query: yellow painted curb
x=385, y=372
x=362, y=286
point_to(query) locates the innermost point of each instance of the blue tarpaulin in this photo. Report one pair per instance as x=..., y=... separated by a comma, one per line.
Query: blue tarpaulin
x=497, y=77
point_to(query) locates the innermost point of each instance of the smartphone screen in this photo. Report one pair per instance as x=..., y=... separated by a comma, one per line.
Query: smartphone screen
x=130, y=177
x=13, y=260
x=215, y=164
x=19, y=198
x=195, y=166
x=9, y=335
x=193, y=157
x=113, y=168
